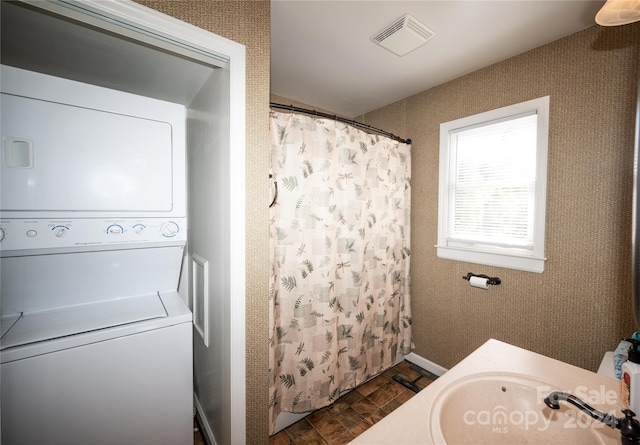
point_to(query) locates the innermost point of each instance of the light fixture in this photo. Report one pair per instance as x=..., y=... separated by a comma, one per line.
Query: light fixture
x=618, y=12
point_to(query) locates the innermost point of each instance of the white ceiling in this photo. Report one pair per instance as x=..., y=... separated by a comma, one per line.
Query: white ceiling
x=321, y=53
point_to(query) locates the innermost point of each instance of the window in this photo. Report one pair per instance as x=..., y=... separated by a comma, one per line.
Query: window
x=492, y=197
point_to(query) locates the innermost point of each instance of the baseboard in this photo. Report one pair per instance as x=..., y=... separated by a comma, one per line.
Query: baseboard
x=433, y=368
x=203, y=424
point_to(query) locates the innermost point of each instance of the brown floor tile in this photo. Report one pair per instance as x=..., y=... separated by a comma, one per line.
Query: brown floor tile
x=380, y=397
x=318, y=417
x=299, y=428
x=367, y=388
x=349, y=418
x=281, y=438
x=383, y=380
x=365, y=407
x=361, y=428
x=344, y=439
x=311, y=437
x=391, y=372
x=402, y=398
x=331, y=430
x=351, y=397
x=394, y=388
x=338, y=406
x=376, y=416
x=391, y=406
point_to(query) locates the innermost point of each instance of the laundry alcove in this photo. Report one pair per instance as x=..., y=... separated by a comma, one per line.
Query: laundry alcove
x=125, y=46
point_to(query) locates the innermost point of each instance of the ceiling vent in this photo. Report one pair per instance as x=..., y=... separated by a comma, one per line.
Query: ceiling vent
x=403, y=36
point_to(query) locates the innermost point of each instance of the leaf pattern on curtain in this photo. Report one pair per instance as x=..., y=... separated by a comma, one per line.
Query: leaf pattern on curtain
x=340, y=247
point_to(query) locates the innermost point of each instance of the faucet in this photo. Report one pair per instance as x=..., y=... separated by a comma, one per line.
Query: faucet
x=628, y=426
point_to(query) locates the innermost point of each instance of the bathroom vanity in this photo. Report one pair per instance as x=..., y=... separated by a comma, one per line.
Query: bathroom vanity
x=496, y=396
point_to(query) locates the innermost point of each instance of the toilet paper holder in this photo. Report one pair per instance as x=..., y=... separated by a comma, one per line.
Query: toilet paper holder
x=491, y=280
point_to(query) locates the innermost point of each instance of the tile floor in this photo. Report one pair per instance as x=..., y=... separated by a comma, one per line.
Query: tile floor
x=356, y=411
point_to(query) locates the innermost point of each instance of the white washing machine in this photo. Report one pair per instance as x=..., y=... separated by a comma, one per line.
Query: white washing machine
x=85, y=360
x=96, y=344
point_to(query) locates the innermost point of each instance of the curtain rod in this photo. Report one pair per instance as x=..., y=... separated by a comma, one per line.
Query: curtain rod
x=341, y=119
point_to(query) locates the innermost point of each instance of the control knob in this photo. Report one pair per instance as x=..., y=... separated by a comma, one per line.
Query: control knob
x=169, y=229
x=115, y=229
x=60, y=231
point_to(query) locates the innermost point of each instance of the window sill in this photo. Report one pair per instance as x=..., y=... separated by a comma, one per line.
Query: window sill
x=525, y=263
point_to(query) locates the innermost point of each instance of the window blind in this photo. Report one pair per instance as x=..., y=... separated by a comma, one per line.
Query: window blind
x=492, y=189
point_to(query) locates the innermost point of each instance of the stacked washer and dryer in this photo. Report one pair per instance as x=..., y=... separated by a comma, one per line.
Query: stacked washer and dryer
x=96, y=342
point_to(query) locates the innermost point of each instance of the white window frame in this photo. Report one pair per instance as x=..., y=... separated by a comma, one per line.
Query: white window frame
x=513, y=258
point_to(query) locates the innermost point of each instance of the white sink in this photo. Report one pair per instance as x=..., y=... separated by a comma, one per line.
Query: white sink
x=495, y=396
x=503, y=408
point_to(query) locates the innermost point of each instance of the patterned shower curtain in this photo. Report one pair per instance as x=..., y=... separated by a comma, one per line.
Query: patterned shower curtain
x=339, y=239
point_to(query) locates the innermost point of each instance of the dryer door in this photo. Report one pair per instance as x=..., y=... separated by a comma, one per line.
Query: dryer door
x=60, y=157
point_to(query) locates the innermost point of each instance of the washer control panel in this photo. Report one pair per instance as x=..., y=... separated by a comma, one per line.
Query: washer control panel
x=25, y=234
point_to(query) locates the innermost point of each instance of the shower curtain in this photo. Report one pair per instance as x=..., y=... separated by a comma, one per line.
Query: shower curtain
x=339, y=240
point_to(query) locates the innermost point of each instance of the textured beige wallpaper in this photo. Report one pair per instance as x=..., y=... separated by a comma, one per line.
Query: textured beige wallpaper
x=580, y=306
x=247, y=22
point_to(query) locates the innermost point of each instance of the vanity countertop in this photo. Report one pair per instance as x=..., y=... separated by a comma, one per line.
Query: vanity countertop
x=410, y=423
